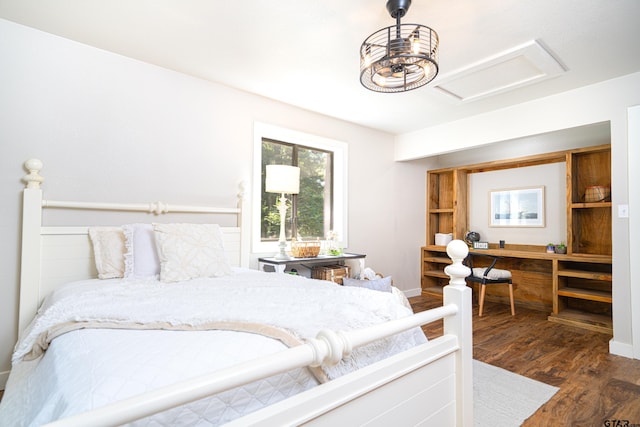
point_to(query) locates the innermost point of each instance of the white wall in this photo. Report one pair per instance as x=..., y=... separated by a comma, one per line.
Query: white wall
x=550, y=177
x=109, y=128
x=604, y=102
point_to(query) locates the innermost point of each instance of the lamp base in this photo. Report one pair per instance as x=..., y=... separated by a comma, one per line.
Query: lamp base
x=282, y=254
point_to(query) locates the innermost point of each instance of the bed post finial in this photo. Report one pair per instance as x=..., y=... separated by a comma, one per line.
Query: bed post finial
x=34, y=179
x=243, y=223
x=242, y=192
x=457, y=251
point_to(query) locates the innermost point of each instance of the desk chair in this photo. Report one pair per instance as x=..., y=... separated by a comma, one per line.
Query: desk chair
x=489, y=276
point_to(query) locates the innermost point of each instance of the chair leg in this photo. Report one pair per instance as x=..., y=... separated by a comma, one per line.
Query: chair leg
x=483, y=287
x=513, y=309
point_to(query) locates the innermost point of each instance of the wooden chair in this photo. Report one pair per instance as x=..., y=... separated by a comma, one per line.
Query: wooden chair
x=489, y=276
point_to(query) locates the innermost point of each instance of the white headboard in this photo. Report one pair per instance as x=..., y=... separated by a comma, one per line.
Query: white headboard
x=52, y=256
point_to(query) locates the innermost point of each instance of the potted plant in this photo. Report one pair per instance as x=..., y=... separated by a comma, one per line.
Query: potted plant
x=561, y=248
x=551, y=248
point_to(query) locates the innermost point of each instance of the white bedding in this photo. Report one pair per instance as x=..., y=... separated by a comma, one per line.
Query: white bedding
x=87, y=368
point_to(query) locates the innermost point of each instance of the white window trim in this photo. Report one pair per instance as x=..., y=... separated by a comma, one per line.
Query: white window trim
x=340, y=152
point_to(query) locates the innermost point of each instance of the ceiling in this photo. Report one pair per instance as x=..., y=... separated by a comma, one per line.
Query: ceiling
x=306, y=52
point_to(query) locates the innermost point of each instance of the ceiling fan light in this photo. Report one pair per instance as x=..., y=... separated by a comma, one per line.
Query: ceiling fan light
x=415, y=45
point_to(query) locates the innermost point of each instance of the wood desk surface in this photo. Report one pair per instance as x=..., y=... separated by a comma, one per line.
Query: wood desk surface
x=530, y=252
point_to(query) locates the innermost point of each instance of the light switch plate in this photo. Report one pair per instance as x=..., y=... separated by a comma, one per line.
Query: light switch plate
x=623, y=211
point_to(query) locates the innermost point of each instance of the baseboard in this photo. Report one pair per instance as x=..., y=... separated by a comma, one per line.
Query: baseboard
x=4, y=376
x=620, y=349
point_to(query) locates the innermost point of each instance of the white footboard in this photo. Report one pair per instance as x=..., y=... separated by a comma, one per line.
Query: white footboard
x=428, y=385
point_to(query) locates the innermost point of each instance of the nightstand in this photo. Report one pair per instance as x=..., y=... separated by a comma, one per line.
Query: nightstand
x=280, y=265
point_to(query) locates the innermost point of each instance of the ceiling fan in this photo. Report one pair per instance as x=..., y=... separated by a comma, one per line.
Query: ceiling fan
x=401, y=57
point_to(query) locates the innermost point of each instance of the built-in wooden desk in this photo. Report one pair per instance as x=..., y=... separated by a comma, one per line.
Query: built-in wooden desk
x=575, y=289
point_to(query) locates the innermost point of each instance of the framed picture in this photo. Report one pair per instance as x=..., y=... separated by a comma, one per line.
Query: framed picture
x=519, y=207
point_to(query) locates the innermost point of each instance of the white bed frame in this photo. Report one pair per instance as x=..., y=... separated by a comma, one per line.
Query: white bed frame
x=427, y=385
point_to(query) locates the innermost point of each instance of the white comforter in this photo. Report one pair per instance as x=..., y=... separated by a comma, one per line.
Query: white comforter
x=88, y=368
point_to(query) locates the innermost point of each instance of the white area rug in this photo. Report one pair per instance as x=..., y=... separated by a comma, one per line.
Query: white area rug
x=504, y=399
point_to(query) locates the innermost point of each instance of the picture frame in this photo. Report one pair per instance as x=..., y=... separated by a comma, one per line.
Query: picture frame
x=517, y=207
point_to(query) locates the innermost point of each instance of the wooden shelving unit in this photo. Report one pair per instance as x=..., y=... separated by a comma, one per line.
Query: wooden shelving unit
x=583, y=290
x=433, y=277
x=588, y=224
x=581, y=280
x=446, y=203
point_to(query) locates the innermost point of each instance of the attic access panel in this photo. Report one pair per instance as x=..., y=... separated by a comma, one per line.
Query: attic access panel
x=523, y=65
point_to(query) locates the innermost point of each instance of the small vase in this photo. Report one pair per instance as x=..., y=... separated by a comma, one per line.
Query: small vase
x=551, y=249
x=561, y=250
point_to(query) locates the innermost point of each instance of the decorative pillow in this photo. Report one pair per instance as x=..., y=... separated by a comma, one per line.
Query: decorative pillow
x=187, y=251
x=141, y=256
x=494, y=273
x=383, y=284
x=108, y=249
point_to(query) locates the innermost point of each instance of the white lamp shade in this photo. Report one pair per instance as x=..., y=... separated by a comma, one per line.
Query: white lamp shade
x=283, y=179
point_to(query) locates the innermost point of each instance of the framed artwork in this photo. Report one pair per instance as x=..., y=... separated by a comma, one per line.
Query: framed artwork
x=518, y=207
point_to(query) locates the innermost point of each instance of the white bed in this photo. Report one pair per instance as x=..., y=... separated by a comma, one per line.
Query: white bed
x=244, y=348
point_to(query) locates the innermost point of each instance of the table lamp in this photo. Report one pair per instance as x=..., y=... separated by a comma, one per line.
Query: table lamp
x=282, y=179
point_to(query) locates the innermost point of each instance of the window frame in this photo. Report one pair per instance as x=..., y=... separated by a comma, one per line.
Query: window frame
x=339, y=150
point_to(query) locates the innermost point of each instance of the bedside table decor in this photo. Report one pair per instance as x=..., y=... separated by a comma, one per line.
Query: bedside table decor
x=282, y=179
x=597, y=193
x=305, y=249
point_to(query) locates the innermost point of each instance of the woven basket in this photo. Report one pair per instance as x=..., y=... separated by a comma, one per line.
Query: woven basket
x=333, y=273
x=305, y=249
x=596, y=193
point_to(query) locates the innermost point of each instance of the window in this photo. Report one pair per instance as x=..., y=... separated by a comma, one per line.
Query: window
x=321, y=204
x=310, y=215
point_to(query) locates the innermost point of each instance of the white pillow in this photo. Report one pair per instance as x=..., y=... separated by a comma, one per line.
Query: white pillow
x=187, y=251
x=383, y=284
x=141, y=256
x=108, y=250
x=494, y=273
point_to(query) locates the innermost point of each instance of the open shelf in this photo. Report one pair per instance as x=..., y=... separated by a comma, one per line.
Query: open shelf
x=437, y=259
x=591, y=205
x=578, y=318
x=586, y=294
x=586, y=274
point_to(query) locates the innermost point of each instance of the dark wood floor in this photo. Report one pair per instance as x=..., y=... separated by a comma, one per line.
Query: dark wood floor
x=595, y=386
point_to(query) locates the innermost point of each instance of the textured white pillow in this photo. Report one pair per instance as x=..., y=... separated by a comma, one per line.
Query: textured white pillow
x=383, y=284
x=141, y=256
x=108, y=250
x=494, y=273
x=187, y=251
